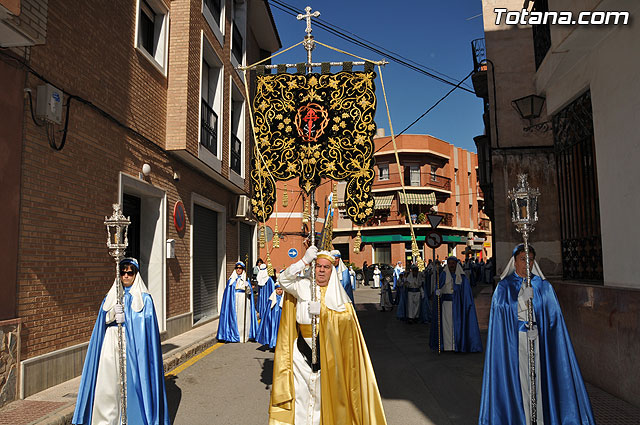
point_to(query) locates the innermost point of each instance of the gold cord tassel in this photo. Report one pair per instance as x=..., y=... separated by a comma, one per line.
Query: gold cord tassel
x=269, y=265
x=305, y=212
x=335, y=196
x=285, y=196
x=261, y=236
x=276, y=237
x=356, y=242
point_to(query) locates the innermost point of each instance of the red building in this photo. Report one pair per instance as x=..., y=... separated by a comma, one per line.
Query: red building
x=438, y=178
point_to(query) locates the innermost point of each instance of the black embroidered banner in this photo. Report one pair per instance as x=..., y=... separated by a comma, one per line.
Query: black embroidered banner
x=313, y=126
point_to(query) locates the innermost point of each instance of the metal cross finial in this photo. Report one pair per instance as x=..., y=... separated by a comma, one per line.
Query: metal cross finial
x=308, y=17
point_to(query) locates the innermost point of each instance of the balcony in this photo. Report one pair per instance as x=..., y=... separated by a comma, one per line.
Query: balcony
x=479, y=77
x=236, y=150
x=441, y=182
x=209, y=128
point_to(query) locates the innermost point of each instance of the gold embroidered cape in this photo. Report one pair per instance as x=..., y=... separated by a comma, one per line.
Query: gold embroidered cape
x=349, y=391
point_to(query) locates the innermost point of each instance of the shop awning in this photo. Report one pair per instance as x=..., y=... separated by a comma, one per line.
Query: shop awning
x=418, y=198
x=382, y=202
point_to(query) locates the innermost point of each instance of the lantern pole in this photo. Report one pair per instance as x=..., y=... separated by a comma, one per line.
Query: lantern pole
x=524, y=214
x=117, y=244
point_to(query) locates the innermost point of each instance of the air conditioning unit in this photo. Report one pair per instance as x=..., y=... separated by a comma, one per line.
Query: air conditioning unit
x=242, y=207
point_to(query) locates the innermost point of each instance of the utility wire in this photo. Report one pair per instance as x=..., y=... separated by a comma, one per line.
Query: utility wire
x=367, y=45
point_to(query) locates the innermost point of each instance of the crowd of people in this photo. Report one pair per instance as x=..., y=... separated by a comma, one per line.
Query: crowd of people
x=336, y=383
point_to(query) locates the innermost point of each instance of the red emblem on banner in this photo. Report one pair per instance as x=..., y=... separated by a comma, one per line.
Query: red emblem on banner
x=311, y=120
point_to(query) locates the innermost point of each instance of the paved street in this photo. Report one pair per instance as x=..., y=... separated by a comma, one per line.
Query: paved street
x=231, y=384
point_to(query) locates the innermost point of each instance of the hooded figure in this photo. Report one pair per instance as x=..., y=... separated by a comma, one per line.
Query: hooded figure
x=270, y=321
x=238, y=322
x=457, y=324
x=340, y=387
x=343, y=273
x=99, y=392
x=265, y=289
x=561, y=394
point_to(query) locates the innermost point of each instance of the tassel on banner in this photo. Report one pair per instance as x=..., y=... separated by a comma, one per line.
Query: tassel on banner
x=305, y=212
x=356, y=242
x=285, y=196
x=420, y=264
x=276, y=238
x=269, y=265
x=261, y=236
x=335, y=196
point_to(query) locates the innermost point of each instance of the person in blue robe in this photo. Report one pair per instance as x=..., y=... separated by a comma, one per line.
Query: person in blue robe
x=270, y=322
x=425, y=308
x=454, y=313
x=401, y=298
x=343, y=273
x=561, y=394
x=397, y=273
x=265, y=289
x=98, y=399
x=238, y=321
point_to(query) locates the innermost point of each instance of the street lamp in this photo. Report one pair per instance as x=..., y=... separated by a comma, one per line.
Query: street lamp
x=530, y=107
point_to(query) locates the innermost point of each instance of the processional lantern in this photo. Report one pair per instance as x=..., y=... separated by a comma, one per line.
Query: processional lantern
x=117, y=242
x=524, y=205
x=524, y=214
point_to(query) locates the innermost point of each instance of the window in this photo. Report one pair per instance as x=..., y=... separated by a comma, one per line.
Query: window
x=457, y=214
x=211, y=99
x=412, y=175
x=383, y=171
x=382, y=253
x=238, y=32
x=455, y=177
x=432, y=172
x=237, y=131
x=214, y=7
x=152, y=34
x=471, y=216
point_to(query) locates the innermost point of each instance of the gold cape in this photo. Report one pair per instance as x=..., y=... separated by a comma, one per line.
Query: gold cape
x=349, y=391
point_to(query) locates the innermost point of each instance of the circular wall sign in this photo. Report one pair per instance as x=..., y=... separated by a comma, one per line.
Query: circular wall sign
x=179, y=216
x=434, y=239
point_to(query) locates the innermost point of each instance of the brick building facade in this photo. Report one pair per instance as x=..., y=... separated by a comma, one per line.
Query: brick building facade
x=438, y=177
x=144, y=83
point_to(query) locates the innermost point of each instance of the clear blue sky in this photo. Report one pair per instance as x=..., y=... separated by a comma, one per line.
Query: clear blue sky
x=433, y=33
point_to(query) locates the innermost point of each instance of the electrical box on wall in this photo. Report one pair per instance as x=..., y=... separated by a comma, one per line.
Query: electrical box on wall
x=49, y=104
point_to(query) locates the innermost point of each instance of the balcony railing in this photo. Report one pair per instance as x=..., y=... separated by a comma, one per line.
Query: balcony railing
x=479, y=53
x=209, y=128
x=236, y=149
x=236, y=47
x=434, y=180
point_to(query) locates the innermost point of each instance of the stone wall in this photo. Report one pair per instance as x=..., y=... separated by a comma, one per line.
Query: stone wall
x=9, y=360
x=603, y=323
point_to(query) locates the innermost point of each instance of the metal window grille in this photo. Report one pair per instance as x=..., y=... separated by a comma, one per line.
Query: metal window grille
x=578, y=191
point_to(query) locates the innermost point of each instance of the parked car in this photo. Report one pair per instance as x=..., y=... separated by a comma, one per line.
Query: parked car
x=386, y=272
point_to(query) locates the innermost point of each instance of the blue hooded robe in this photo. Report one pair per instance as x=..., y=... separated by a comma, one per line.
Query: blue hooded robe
x=465, y=321
x=564, y=397
x=228, y=322
x=146, y=396
x=264, y=292
x=268, y=328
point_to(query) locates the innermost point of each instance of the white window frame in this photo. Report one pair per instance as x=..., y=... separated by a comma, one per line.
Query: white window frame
x=381, y=166
x=211, y=60
x=159, y=58
x=239, y=17
x=218, y=30
x=237, y=96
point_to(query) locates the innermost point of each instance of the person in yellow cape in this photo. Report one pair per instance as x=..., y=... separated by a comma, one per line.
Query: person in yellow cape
x=341, y=388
